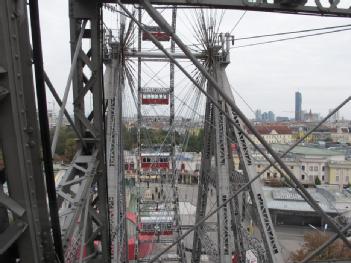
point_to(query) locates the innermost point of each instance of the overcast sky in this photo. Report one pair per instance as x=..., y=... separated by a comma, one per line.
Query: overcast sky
x=266, y=76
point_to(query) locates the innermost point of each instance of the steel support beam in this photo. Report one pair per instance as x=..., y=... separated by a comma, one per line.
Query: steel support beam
x=19, y=140
x=180, y=246
x=115, y=159
x=59, y=102
x=135, y=54
x=261, y=213
x=203, y=181
x=44, y=126
x=91, y=124
x=224, y=235
x=139, y=135
x=74, y=192
x=315, y=7
x=67, y=88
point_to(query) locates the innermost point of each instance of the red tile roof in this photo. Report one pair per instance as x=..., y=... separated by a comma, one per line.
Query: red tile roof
x=267, y=129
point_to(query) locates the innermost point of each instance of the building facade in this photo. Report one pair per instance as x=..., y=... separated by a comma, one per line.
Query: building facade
x=339, y=173
x=281, y=134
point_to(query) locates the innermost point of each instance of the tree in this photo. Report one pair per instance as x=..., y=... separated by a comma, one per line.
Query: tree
x=312, y=240
x=70, y=149
x=317, y=181
x=65, y=133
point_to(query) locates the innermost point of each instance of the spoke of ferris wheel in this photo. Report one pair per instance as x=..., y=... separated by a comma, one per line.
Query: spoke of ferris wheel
x=165, y=26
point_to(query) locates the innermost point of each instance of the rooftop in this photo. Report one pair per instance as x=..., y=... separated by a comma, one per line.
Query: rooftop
x=306, y=150
x=288, y=199
x=269, y=129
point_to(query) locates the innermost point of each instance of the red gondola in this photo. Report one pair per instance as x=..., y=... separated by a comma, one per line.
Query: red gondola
x=156, y=32
x=155, y=161
x=157, y=225
x=154, y=98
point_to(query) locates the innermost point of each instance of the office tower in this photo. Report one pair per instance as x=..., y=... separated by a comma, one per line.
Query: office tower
x=298, y=105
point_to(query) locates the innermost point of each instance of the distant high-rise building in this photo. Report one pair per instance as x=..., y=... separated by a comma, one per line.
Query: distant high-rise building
x=258, y=115
x=265, y=117
x=271, y=116
x=298, y=106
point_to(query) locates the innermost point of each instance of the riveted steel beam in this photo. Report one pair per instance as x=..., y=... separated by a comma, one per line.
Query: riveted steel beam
x=333, y=8
x=19, y=139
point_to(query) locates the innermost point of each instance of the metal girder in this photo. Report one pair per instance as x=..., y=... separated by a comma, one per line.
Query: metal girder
x=260, y=209
x=19, y=141
x=68, y=86
x=115, y=160
x=59, y=102
x=208, y=246
x=316, y=7
x=135, y=54
x=81, y=222
x=228, y=218
x=139, y=136
x=91, y=123
x=225, y=237
x=178, y=231
x=11, y=234
x=73, y=192
x=203, y=181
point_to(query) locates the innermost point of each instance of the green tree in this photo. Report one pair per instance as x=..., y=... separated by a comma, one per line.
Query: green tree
x=70, y=149
x=65, y=134
x=317, y=181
